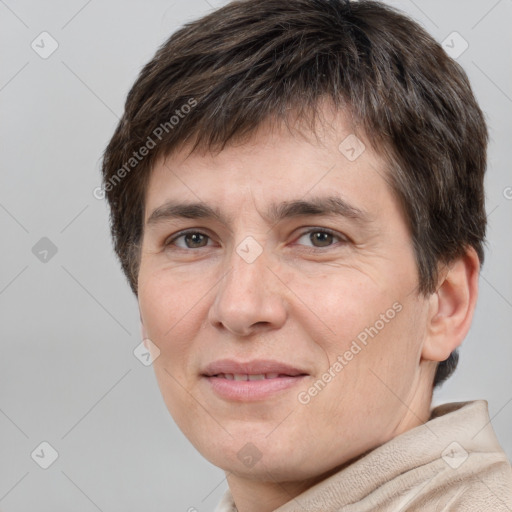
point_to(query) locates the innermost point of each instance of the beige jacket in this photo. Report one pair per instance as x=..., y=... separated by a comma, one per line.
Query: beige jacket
x=451, y=463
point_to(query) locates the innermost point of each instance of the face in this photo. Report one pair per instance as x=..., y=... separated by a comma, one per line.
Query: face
x=278, y=286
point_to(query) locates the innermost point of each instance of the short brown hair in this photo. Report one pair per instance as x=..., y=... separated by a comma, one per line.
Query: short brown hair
x=255, y=60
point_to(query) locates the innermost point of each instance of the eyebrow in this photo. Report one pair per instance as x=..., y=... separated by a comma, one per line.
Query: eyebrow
x=320, y=205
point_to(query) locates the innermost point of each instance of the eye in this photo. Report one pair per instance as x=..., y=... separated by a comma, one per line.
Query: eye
x=320, y=237
x=316, y=238
x=188, y=240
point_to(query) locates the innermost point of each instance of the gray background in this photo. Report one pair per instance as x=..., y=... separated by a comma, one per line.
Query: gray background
x=69, y=325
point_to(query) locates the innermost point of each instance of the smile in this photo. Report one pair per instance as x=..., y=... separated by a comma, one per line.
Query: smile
x=255, y=380
x=245, y=376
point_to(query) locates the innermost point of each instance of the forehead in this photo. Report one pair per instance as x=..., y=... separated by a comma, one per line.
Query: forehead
x=278, y=163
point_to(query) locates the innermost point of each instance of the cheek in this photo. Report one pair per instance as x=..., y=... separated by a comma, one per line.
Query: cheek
x=364, y=400
x=169, y=315
x=165, y=303
x=373, y=328
x=340, y=306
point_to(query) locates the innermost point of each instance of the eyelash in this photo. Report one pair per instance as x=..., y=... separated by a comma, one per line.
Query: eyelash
x=342, y=238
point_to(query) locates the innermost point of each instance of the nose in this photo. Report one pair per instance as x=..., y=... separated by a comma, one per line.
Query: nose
x=250, y=297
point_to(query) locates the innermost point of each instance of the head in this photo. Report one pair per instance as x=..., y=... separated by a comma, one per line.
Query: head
x=326, y=159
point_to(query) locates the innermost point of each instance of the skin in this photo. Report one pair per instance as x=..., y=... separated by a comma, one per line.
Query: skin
x=301, y=301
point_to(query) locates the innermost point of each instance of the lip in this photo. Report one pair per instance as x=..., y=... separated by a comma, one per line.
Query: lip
x=254, y=367
x=284, y=377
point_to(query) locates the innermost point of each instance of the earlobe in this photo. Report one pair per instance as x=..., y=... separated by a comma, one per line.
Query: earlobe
x=451, y=307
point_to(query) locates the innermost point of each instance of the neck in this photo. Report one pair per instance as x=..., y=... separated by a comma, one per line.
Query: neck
x=267, y=496
x=259, y=496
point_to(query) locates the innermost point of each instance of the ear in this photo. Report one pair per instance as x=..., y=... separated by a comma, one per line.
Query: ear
x=451, y=307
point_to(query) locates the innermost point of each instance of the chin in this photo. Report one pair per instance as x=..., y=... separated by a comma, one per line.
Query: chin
x=262, y=457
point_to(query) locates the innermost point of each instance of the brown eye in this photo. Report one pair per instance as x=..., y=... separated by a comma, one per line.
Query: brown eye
x=320, y=238
x=189, y=240
x=194, y=240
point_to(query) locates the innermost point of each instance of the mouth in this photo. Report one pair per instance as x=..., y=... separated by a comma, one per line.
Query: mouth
x=250, y=376
x=255, y=380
